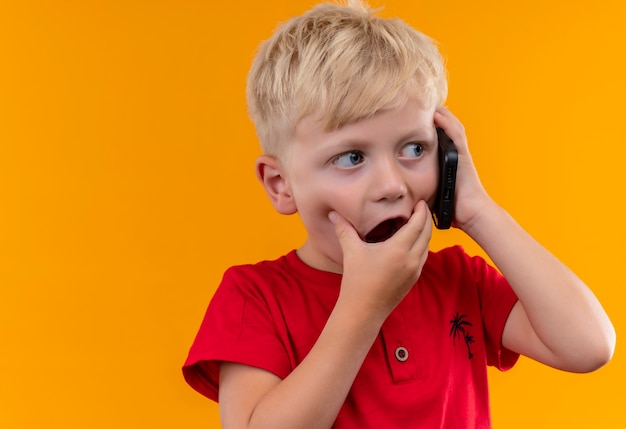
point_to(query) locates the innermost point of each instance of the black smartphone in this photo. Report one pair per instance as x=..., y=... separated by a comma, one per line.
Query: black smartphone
x=443, y=210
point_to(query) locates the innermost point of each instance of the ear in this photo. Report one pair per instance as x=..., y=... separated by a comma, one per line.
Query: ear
x=271, y=174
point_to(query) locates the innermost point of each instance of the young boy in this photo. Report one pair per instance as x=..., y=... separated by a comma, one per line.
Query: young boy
x=362, y=326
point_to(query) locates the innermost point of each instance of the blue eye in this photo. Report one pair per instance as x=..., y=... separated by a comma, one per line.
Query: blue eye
x=412, y=150
x=348, y=159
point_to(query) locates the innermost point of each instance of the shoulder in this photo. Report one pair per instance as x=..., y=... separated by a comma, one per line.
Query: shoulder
x=448, y=261
x=285, y=275
x=266, y=272
x=453, y=267
x=452, y=252
x=264, y=266
x=455, y=260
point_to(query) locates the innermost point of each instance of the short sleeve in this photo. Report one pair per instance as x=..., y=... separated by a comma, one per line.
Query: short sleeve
x=497, y=300
x=237, y=327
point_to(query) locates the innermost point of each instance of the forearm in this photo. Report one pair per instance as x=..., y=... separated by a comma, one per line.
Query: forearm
x=376, y=277
x=312, y=395
x=564, y=314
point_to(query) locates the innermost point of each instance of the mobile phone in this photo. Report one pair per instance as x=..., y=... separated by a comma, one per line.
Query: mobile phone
x=443, y=210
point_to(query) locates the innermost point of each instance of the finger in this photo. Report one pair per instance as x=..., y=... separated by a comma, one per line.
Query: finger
x=444, y=114
x=427, y=231
x=424, y=221
x=451, y=125
x=346, y=234
x=410, y=233
x=419, y=249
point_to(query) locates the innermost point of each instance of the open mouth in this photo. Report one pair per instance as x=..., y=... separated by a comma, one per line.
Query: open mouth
x=385, y=230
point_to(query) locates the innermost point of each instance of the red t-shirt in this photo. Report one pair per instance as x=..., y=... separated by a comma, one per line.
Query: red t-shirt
x=426, y=369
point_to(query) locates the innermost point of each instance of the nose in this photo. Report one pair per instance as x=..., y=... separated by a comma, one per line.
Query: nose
x=388, y=183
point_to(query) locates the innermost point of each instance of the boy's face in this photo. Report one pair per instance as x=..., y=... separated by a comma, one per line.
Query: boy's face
x=372, y=172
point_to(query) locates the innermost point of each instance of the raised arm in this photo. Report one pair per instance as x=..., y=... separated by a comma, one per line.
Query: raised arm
x=376, y=277
x=557, y=320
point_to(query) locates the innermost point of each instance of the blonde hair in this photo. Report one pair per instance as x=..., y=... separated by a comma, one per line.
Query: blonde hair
x=339, y=64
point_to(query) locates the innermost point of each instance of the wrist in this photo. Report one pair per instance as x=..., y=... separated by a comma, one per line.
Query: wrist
x=358, y=311
x=485, y=217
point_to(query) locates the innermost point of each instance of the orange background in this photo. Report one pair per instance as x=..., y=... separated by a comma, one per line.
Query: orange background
x=127, y=188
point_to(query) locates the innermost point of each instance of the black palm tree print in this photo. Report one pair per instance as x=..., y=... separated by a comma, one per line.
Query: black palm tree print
x=458, y=329
x=468, y=340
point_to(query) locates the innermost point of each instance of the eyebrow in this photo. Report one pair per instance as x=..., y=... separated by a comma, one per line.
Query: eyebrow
x=421, y=134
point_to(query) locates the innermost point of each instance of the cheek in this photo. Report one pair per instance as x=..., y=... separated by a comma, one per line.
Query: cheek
x=319, y=192
x=426, y=185
x=336, y=198
x=317, y=199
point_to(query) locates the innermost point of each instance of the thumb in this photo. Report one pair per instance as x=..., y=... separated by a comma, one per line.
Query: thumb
x=344, y=230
